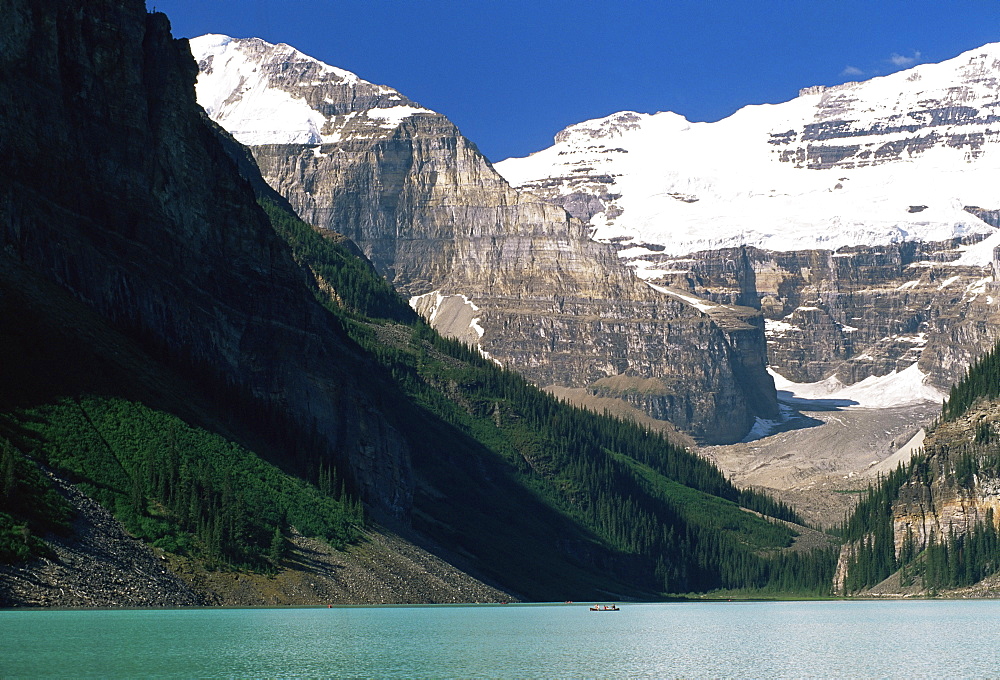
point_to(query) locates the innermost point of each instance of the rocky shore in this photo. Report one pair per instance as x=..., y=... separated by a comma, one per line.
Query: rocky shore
x=383, y=568
x=99, y=565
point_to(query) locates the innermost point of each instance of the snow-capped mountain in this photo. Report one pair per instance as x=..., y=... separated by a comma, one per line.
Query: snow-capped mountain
x=892, y=159
x=274, y=94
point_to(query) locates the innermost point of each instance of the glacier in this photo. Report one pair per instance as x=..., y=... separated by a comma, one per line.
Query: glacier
x=896, y=158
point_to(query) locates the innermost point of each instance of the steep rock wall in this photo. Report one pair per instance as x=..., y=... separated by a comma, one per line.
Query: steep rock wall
x=431, y=214
x=858, y=311
x=940, y=498
x=497, y=268
x=104, y=191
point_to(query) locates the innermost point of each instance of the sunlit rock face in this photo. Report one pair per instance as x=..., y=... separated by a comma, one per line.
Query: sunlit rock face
x=859, y=311
x=942, y=496
x=500, y=269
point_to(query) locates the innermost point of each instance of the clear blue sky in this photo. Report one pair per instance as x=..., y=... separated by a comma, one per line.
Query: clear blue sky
x=512, y=73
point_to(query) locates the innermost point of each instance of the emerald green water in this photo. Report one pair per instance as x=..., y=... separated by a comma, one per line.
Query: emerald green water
x=780, y=639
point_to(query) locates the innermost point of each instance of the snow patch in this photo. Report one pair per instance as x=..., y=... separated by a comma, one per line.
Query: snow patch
x=763, y=427
x=947, y=282
x=480, y=331
x=778, y=329
x=697, y=303
x=899, y=388
x=393, y=116
x=430, y=305
x=428, y=311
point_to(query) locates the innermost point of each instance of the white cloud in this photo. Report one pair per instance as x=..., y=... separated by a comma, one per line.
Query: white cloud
x=896, y=60
x=901, y=60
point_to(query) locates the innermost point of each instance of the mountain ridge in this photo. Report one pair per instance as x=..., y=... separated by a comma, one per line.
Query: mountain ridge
x=802, y=174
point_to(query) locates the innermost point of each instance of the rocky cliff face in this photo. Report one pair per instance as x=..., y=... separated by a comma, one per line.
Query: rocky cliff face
x=500, y=269
x=857, y=312
x=940, y=498
x=949, y=489
x=104, y=192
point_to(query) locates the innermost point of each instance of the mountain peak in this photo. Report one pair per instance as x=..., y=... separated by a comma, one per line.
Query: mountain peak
x=839, y=165
x=266, y=93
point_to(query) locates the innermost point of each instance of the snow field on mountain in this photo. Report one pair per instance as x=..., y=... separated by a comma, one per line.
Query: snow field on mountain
x=899, y=388
x=239, y=95
x=698, y=186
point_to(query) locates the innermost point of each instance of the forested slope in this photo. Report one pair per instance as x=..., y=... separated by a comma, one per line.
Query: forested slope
x=931, y=524
x=660, y=516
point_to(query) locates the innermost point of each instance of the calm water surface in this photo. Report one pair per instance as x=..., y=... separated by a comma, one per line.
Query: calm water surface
x=776, y=639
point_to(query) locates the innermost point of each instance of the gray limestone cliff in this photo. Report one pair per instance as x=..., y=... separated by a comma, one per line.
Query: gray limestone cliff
x=856, y=312
x=945, y=494
x=502, y=270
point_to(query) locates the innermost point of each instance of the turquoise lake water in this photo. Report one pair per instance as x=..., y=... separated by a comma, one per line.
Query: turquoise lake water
x=898, y=639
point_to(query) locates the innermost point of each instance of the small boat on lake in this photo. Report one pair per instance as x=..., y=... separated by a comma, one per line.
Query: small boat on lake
x=605, y=608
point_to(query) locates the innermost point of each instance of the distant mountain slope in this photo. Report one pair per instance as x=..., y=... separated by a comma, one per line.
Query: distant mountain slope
x=891, y=159
x=274, y=94
x=860, y=218
x=501, y=270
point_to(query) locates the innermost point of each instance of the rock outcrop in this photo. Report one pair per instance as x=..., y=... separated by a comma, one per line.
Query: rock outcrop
x=502, y=270
x=939, y=498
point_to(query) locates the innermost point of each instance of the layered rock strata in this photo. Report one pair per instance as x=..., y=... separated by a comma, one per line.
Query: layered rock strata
x=944, y=495
x=856, y=312
x=502, y=270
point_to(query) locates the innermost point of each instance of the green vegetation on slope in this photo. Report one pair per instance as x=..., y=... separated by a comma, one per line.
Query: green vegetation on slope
x=662, y=518
x=959, y=559
x=871, y=527
x=179, y=487
x=29, y=506
x=357, y=289
x=981, y=381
